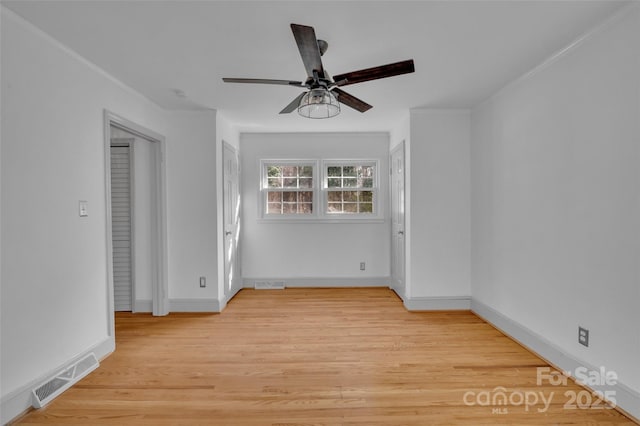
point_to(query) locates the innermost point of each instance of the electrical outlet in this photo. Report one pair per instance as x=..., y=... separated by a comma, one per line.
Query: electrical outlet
x=583, y=336
x=362, y=266
x=203, y=282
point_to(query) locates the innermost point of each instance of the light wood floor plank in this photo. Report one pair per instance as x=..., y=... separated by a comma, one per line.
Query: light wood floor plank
x=312, y=357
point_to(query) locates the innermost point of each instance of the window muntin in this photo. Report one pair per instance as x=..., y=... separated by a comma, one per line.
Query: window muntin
x=288, y=188
x=350, y=188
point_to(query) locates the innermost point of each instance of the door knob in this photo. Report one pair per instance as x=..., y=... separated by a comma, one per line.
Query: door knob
x=228, y=233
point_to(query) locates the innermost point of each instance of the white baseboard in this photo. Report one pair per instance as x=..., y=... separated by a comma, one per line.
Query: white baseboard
x=194, y=305
x=627, y=399
x=19, y=401
x=322, y=282
x=181, y=305
x=143, y=306
x=444, y=303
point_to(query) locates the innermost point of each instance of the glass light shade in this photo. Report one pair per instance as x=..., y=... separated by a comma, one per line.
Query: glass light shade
x=319, y=103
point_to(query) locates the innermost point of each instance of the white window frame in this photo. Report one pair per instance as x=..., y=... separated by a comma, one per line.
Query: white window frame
x=320, y=192
x=264, y=189
x=375, y=189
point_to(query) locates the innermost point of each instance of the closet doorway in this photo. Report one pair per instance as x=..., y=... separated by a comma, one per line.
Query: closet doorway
x=136, y=218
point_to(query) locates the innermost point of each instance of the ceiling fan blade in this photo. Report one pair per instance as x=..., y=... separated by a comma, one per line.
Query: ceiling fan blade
x=263, y=81
x=293, y=105
x=309, y=51
x=352, y=101
x=383, y=71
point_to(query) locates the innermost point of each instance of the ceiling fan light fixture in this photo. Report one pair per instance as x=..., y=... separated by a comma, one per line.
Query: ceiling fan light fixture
x=319, y=103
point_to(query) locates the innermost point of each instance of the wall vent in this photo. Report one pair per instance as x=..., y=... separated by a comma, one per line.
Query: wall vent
x=269, y=285
x=47, y=391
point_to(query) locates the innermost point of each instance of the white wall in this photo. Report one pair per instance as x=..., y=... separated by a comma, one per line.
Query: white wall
x=313, y=250
x=556, y=203
x=192, y=204
x=54, y=278
x=227, y=132
x=400, y=132
x=438, y=243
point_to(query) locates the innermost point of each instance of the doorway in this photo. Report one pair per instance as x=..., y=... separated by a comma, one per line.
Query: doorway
x=146, y=239
x=397, y=160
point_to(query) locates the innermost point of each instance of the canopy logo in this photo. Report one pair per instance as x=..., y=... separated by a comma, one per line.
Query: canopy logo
x=499, y=398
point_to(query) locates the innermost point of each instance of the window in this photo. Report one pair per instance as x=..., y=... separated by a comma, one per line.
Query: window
x=330, y=190
x=350, y=188
x=289, y=188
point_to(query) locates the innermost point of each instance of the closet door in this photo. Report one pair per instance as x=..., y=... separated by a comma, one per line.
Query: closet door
x=121, y=226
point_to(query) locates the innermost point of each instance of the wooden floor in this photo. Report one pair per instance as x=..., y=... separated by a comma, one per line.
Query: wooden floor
x=315, y=357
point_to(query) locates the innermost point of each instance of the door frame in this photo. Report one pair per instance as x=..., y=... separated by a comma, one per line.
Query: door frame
x=160, y=289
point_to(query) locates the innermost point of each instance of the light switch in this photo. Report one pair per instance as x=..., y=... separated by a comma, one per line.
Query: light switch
x=84, y=208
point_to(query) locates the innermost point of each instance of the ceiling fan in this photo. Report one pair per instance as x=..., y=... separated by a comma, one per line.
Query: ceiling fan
x=324, y=96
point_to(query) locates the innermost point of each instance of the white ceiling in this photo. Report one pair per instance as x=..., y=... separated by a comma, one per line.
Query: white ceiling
x=464, y=51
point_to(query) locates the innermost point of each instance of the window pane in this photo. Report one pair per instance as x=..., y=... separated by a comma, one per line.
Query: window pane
x=365, y=183
x=350, y=182
x=365, y=171
x=305, y=208
x=334, y=196
x=275, y=183
x=366, y=196
x=334, y=183
x=351, y=196
x=349, y=171
x=306, y=171
x=289, y=171
x=290, y=197
x=334, y=171
x=305, y=197
x=351, y=207
x=289, y=208
x=334, y=207
x=274, y=196
x=290, y=183
x=305, y=182
x=366, y=208
x=273, y=171
x=274, y=208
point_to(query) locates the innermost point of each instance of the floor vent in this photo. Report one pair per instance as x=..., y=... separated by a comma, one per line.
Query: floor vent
x=62, y=381
x=269, y=285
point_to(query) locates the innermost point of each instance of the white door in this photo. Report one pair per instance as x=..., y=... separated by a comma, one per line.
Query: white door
x=121, y=224
x=397, y=221
x=231, y=209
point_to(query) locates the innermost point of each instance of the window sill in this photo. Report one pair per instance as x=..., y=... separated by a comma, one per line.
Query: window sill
x=326, y=220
